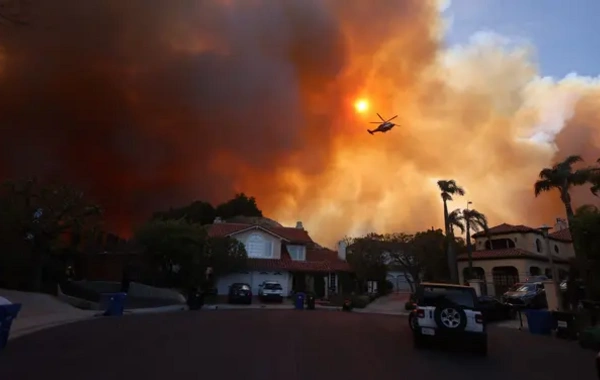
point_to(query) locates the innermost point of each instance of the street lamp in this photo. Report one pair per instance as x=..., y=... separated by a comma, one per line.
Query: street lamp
x=544, y=230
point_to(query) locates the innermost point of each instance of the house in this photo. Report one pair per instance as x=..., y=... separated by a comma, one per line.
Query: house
x=287, y=255
x=511, y=253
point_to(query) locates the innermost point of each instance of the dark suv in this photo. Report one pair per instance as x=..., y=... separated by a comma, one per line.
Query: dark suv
x=240, y=293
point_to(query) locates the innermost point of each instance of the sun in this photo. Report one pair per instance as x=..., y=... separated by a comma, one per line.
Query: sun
x=361, y=105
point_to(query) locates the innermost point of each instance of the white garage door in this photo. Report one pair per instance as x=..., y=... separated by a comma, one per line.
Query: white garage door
x=260, y=277
x=224, y=282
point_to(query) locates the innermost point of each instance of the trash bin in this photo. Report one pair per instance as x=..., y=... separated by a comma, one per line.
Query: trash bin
x=195, y=299
x=539, y=322
x=7, y=314
x=566, y=326
x=310, y=302
x=116, y=305
x=299, y=301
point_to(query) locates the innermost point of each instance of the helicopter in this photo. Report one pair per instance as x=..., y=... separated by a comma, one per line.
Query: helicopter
x=384, y=125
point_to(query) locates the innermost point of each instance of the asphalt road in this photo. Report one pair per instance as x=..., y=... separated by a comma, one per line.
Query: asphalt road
x=278, y=345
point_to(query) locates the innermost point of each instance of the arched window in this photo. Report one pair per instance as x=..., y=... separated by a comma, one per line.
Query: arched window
x=258, y=247
x=538, y=245
x=556, y=249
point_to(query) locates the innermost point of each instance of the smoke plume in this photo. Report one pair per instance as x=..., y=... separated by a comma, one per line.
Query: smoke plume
x=147, y=105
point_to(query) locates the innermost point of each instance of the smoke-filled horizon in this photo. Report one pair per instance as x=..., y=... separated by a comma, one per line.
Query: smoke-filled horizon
x=147, y=107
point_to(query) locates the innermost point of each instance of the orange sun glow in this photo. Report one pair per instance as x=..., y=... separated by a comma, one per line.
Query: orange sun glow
x=361, y=105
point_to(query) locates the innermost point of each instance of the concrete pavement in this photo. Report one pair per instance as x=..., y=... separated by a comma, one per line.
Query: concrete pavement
x=276, y=344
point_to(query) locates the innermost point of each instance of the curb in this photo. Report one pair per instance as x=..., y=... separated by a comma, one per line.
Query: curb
x=157, y=310
x=32, y=329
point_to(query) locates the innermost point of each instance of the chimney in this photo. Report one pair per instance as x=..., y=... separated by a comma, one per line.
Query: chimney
x=299, y=225
x=341, y=249
x=561, y=224
x=218, y=220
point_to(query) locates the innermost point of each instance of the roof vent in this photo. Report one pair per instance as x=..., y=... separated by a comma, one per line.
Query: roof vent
x=299, y=225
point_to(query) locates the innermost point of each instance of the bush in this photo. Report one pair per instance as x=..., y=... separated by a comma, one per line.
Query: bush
x=360, y=302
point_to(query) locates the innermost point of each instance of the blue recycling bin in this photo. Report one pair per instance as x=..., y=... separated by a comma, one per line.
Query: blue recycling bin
x=8, y=313
x=540, y=322
x=116, y=305
x=299, y=301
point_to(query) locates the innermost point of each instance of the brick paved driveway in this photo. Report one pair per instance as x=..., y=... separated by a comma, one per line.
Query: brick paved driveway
x=277, y=345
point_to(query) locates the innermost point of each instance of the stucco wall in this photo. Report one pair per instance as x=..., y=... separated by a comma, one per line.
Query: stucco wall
x=523, y=267
x=527, y=241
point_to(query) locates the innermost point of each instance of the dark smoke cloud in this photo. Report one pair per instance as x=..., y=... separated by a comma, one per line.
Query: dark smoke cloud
x=152, y=104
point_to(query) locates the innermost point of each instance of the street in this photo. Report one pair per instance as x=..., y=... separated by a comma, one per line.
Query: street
x=276, y=344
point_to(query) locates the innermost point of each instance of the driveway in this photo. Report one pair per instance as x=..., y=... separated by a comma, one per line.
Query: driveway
x=276, y=344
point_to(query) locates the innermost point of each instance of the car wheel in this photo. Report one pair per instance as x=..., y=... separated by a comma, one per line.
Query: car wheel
x=412, y=322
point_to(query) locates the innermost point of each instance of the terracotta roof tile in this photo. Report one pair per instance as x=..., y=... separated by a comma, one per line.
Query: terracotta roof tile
x=319, y=260
x=508, y=253
x=505, y=228
x=291, y=234
x=562, y=235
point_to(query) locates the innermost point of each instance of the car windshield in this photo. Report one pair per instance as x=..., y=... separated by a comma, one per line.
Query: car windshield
x=432, y=296
x=272, y=286
x=526, y=288
x=242, y=287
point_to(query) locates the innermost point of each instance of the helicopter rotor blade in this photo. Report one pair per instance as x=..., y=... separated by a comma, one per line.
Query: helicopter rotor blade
x=375, y=122
x=392, y=118
x=382, y=119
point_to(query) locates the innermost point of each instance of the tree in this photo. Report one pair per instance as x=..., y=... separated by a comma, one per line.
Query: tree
x=366, y=257
x=398, y=250
x=40, y=214
x=448, y=189
x=563, y=177
x=198, y=212
x=181, y=252
x=241, y=204
x=586, y=225
x=474, y=222
x=175, y=251
x=430, y=247
x=595, y=179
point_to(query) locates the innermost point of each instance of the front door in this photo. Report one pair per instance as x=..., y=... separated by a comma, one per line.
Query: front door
x=299, y=282
x=319, y=285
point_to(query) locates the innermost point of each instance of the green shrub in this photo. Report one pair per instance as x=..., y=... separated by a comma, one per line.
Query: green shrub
x=360, y=302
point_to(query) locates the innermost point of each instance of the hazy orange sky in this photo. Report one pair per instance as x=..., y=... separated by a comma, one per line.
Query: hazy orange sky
x=150, y=107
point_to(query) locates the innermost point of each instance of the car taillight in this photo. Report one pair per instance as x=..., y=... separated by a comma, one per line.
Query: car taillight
x=420, y=313
x=478, y=318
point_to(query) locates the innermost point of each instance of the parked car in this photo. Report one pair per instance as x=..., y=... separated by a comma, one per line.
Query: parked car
x=536, y=279
x=529, y=295
x=494, y=309
x=270, y=291
x=448, y=314
x=240, y=293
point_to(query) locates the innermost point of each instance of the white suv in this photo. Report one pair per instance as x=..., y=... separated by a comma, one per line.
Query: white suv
x=448, y=313
x=270, y=290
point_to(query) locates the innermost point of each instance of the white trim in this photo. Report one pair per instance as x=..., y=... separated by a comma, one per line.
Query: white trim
x=257, y=227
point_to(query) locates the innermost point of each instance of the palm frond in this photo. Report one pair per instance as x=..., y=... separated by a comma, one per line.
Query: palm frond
x=570, y=161
x=580, y=177
x=547, y=174
x=456, y=219
x=542, y=186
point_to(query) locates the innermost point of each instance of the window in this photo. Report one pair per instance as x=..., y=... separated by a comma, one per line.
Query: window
x=556, y=248
x=297, y=252
x=538, y=245
x=258, y=247
x=433, y=296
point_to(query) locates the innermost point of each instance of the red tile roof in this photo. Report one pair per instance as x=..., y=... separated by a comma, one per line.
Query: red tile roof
x=290, y=234
x=317, y=259
x=504, y=228
x=562, y=235
x=508, y=253
x=320, y=260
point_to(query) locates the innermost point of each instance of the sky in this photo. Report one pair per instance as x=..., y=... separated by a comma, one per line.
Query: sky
x=563, y=32
x=146, y=108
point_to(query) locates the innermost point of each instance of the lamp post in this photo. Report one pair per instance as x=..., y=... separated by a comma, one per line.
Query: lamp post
x=545, y=229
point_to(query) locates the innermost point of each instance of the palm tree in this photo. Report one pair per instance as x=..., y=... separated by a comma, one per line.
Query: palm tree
x=562, y=177
x=448, y=189
x=595, y=179
x=474, y=221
